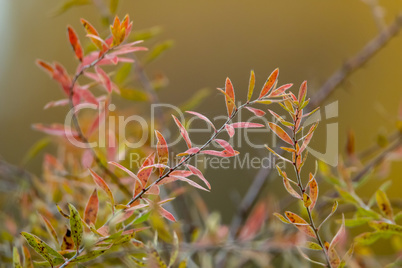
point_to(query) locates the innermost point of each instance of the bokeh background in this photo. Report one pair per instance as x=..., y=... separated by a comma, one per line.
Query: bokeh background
x=307, y=40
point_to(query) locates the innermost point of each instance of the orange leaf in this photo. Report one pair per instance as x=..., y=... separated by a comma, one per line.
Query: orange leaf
x=162, y=150
x=308, y=137
x=91, y=209
x=269, y=83
x=45, y=66
x=280, y=133
x=289, y=187
x=300, y=223
x=302, y=92
x=75, y=43
x=92, y=31
x=102, y=184
x=313, y=190
x=230, y=96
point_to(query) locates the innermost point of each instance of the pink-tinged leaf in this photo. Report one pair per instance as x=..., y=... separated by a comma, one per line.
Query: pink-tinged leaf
x=154, y=190
x=339, y=235
x=183, y=131
x=199, y=174
x=230, y=130
x=87, y=158
x=127, y=50
x=193, y=150
x=99, y=120
x=166, y=214
x=86, y=95
x=162, y=150
x=281, y=120
x=255, y=111
x=251, y=85
x=224, y=153
x=302, y=93
x=129, y=172
x=278, y=155
x=56, y=130
x=269, y=83
x=103, y=43
x=173, y=178
x=245, y=125
x=313, y=190
x=150, y=167
x=254, y=222
x=91, y=209
x=280, y=133
x=289, y=187
x=300, y=223
x=75, y=43
x=203, y=118
x=111, y=145
x=182, y=173
x=280, y=90
x=230, y=96
x=103, y=185
x=46, y=67
x=225, y=145
x=50, y=229
x=57, y=103
x=308, y=137
x=105, y=79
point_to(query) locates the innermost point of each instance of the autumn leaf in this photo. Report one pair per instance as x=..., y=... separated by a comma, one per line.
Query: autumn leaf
x=269, y=83
x=246, y=125
x=103, y=185
x=91, y=209
x=162, y=150
x=313, y=185
x=302, y=93
x=251, y=85
x=300, y=223
x=203, y=118
x=183, y=131
x=230, y=130
x=50, y=229
x=75, y=43
x=255, y=111
x=280, y=133
x=41, y=247
x=230, y=96
x=384, y=205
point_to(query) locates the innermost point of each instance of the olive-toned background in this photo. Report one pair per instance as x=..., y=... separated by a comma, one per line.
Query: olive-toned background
x=307, y=39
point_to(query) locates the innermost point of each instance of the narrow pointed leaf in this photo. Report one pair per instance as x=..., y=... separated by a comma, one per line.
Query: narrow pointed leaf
x=313, y=186
x=16, y=258
x=41, y=247
x=162, y=150
x=91, y=30
x=27, y=258
x=230, y=130
x=251, y=85
x=269, y=83
x=230, y=96
x=91, y=209
x=280, y=133
x=203, y=118
x=300, y=223
x=103, y=185
x=246, y=125
x=199, y=174
x=76, y=226
x=384, y=205
x=282, y=218
x=183, y=131
x=75, y=43
x=50, y=229
x=255, y=111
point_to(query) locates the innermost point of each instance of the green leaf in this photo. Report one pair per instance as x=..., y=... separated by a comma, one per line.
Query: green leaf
x=41, y=247
x=147, y=33
x=35, y=150
x=157, y=51
x=312, y=245
x=66, y=5
x=123, y=73
x=281, y=218
x=196, y=99
x=134, y=94
x=355, y=222
x=368, y=238
x=251, y=85
x=16, y=258
x=141, y=218
x=175, y=251
x=76, y=226
x=384, y=205
x=386, y=227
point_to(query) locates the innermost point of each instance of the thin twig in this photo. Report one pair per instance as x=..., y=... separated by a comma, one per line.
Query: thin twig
x=323, y=93
x=81, y=135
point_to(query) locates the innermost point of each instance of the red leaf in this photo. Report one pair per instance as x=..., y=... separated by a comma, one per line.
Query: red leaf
x=104, y=78
x=183, y=131
x=230, y=130
x=280, y=90
x=45, y=66
x=199, y=174
x=245, y=125
x=225, y=145
x=254, y=222
x=129, y=172
x=91, y=209
x=203, y=118
x=103, y=185
x=87, y=158
x=166, y=214
x=230, y=96
x=75, y=43
x=280, y=133
x=56, y=130
x=269, y=83
x=193, y=150
x=255, y=111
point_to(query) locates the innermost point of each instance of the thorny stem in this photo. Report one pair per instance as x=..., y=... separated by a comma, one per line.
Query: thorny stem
x=302, y=190
x=81, y=135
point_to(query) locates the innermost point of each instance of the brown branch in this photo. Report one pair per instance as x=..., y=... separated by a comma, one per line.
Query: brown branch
x=81, y=135
x=323, y=93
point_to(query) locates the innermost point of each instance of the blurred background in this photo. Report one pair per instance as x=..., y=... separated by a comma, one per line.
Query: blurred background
x=307, y=40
